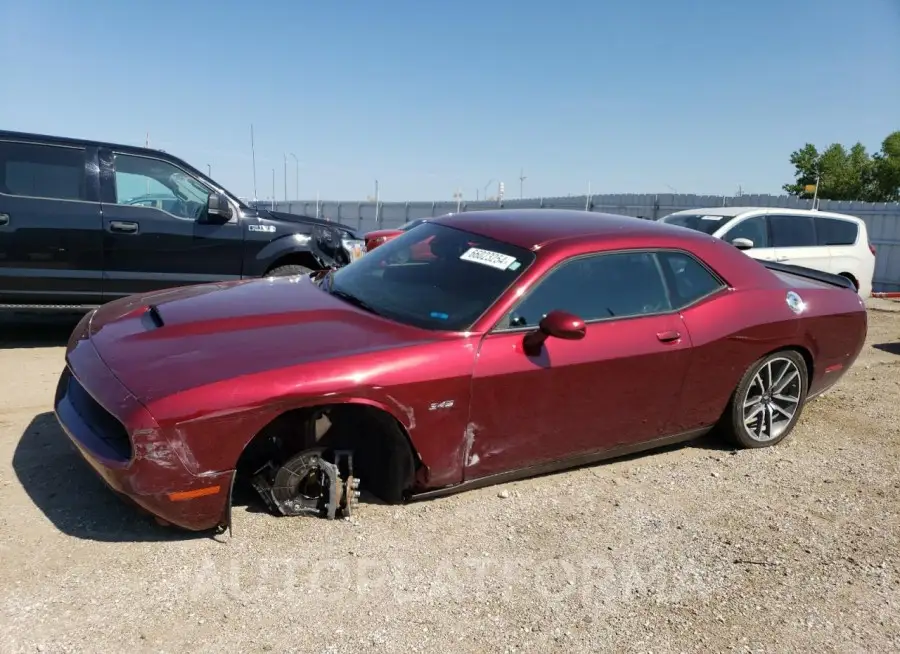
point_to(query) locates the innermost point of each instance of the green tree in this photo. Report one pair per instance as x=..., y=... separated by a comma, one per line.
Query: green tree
x=848, y=175
x=841, y=174
x=887, y=169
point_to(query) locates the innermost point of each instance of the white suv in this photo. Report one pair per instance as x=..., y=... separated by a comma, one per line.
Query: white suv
x=830, y=242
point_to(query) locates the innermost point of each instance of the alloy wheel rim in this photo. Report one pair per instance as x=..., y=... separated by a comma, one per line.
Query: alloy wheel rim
x=772, y=399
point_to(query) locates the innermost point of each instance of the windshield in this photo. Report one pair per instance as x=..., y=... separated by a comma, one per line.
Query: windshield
x=701, y=222
x=433, y=277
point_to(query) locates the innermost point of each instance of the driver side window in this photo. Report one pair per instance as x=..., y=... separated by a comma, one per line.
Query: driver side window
x=596, y=287
x=147, y=182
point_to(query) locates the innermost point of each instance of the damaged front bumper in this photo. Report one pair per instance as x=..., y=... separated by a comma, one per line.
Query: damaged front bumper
x=121, y=441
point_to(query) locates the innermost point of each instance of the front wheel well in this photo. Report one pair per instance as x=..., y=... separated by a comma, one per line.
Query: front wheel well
x=305, y=259
x=384, y=458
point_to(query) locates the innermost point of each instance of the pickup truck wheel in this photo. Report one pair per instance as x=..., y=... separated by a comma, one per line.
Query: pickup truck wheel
x=768, y=401
x=288, y=271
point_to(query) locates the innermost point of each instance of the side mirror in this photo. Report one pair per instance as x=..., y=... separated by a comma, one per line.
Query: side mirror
x=558, y=324
x=742, y=243
x=218, y=208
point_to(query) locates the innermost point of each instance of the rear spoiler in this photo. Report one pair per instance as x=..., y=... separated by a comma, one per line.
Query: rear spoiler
x=809, y=273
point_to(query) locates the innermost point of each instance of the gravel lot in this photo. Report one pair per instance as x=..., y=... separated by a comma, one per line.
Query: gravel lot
x=696, y=548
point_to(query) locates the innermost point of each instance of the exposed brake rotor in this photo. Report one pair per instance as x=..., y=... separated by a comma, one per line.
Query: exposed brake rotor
x=307, y=484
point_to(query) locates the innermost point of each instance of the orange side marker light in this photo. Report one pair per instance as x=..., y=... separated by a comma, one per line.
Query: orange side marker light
x=181, y=496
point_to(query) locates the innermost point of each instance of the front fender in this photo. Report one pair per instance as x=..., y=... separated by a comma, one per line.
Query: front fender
x=284, y=246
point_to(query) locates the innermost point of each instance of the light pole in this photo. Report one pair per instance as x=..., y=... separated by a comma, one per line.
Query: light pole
x=297, y=169
x=209, y=171
x=285, y=177
x=376, y=201
x=273, y=189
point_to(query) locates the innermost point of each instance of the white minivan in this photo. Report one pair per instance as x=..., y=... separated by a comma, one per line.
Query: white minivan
x=830, y=242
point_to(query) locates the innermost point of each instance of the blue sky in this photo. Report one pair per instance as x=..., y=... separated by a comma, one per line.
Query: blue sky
x=630, y=96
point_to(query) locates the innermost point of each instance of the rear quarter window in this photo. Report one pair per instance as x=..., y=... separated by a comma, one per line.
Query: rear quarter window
x=834, y=231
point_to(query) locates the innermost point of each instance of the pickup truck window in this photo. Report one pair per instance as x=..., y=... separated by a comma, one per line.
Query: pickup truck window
x=139, y=179
x=42, y=171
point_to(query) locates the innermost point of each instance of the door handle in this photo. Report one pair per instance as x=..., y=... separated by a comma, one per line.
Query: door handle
x=668, y=336
x=781, y=258
x=4, y=218
x=123, y=226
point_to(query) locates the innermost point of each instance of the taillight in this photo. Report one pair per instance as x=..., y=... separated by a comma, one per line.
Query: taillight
x=872, y=249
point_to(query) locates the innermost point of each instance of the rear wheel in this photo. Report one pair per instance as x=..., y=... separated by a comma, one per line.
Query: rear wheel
x=852, y=280
x=769, y=400
x=288, y=271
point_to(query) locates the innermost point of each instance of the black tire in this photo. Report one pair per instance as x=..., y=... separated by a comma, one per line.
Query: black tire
x=852, y=280
x=771, y=426
x=288, y=271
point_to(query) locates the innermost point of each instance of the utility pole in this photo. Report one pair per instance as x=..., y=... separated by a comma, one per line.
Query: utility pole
x=522, y=179
x=253, y=150
x=297, y=169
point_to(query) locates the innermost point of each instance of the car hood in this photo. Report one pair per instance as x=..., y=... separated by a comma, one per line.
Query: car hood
x=169, y=341
x=307, y=220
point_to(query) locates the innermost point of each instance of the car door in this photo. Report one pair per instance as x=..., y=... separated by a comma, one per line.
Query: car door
x=617, y=386
x=167, y=243
x=754, y=228
x=794, y=239
x=50, y=226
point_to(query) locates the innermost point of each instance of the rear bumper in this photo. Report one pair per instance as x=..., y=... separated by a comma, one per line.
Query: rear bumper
x=121, y=441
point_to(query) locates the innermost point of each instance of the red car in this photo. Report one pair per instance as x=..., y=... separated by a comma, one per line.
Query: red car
x=526, y=342
x=380, y=236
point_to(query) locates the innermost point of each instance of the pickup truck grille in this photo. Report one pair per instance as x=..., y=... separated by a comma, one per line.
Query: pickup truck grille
x=100, y=421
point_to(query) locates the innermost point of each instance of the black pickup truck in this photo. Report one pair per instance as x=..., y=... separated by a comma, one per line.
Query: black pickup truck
x=84, y=222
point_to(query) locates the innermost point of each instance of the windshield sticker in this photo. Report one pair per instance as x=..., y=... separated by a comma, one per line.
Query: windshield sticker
x=514, y=265
x=488, y=258
x=439, y=315
x=711, y=217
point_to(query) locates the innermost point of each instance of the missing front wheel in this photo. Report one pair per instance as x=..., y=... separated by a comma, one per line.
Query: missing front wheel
x=308, y=484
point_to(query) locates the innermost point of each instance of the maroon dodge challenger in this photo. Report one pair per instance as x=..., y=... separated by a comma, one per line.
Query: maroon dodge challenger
x=527, y=341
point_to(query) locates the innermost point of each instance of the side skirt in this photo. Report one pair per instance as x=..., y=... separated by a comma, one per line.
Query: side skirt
x=560, y=464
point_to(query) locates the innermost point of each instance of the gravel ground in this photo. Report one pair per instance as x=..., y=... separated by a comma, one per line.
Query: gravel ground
x=695, y=548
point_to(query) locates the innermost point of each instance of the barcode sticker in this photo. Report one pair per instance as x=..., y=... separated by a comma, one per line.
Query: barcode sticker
x=488, y=258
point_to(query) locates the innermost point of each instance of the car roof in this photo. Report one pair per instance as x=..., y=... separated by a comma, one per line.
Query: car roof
x=65, y=140
x=738, y=211
x=528, y=228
